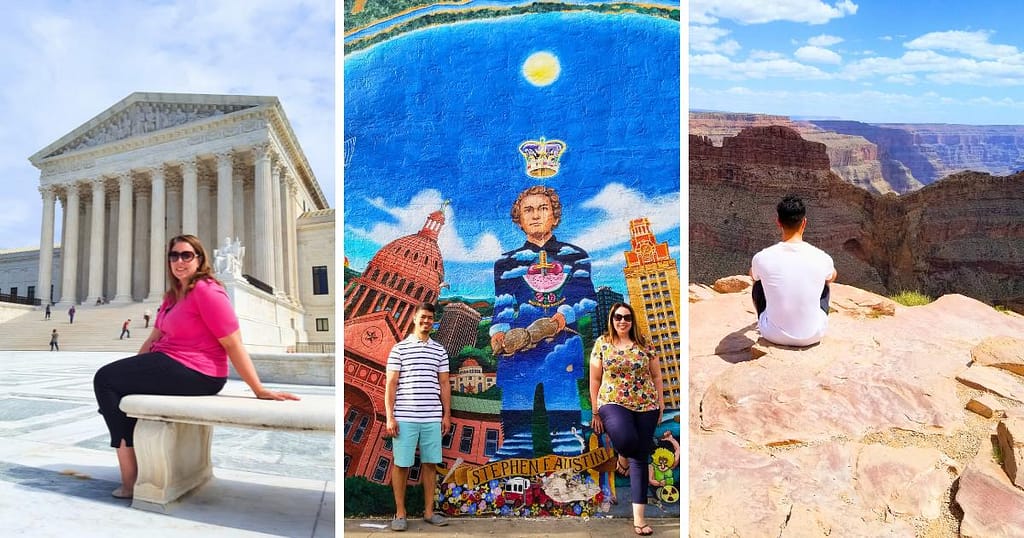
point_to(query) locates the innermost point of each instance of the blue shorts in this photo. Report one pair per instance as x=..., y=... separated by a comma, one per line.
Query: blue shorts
x=426, y=434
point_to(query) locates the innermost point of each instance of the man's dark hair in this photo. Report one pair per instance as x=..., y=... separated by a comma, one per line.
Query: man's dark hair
x=429, y=307
x=791, y=212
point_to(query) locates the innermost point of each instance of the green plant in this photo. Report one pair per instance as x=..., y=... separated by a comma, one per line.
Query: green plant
x=1003, y=309
x=910, y=298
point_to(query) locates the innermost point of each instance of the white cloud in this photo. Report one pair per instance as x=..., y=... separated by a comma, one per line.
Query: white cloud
x=620, y=204
x=817, y=55
x=824, y=40
x=765, y=55
x=718, y=66
x=939, y=68
x=64, y=63
x=974, y=44
x=410, y=219
x=905, y=78
x=759, y=11
x=706, y=39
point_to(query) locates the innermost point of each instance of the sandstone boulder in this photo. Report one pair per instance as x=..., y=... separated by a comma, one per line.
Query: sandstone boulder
x=987, y=406
x=1010, y=433
x=992, y=506
x=994, y=381
x=733, y=284
x=1001, y=352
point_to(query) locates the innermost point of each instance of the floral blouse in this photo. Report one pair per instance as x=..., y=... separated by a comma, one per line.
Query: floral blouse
x=626, y=377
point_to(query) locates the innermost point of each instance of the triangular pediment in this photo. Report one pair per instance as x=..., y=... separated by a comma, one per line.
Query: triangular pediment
x=145, y=113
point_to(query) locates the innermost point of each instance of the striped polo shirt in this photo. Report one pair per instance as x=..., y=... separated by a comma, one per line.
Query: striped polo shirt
x=419, y=393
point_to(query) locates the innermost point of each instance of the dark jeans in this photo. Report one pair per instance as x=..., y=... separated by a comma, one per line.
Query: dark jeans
x=149, y=373
x=632, y=435
x=761, y=303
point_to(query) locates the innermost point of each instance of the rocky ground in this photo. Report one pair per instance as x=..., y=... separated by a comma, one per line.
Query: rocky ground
x=865, y=434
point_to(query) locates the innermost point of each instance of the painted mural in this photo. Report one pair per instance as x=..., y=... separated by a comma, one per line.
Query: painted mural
x=519, y=165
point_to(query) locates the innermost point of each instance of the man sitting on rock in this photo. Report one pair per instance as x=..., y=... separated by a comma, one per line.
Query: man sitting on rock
x=791, y=281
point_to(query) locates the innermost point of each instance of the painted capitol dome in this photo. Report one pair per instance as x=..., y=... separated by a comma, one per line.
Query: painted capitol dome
x=402, y=274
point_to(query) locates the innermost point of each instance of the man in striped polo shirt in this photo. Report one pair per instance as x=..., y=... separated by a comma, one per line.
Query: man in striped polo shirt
x=417, y=400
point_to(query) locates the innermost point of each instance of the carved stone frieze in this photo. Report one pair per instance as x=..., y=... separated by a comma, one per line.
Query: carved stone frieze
x=143, y=118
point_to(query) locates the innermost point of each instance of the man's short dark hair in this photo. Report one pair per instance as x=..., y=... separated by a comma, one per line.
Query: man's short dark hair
x=429, y=307
x=791, y=212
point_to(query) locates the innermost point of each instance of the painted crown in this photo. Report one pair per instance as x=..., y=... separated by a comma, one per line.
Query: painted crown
x=542, y=156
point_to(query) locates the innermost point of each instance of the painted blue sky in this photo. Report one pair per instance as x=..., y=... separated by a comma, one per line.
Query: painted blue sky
x=64, y=62
x=439, y=114
x=867, y=60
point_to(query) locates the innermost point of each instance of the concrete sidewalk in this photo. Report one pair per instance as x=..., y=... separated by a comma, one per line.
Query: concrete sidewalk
x=508, y=527
x=57, y=469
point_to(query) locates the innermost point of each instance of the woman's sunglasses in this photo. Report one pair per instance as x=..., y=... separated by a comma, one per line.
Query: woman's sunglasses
x=622, y=317
x=185, y=256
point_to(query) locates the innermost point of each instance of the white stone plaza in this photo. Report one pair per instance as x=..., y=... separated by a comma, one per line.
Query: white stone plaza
x=57, y=469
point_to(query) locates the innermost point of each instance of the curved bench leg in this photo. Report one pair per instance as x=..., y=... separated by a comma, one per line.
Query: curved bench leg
x=174, y=459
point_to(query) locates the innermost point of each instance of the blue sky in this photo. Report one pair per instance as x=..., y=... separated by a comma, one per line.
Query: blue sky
x=873, y=61
x=64, y=62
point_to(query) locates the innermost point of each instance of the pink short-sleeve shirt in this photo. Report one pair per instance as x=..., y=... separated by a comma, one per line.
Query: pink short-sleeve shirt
x=191, y=327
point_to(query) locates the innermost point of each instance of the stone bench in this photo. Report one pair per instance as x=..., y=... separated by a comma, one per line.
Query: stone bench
x=174, y=433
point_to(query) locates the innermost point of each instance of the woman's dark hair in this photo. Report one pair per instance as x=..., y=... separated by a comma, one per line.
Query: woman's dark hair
x=176, y=292
x=634, y=333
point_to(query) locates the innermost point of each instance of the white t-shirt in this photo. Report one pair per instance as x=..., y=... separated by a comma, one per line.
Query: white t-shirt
x=793, y=276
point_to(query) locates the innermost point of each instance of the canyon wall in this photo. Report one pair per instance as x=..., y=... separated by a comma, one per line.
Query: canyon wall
x=963, y=234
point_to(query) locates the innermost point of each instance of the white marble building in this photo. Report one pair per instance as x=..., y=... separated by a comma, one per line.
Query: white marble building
x=155, y=165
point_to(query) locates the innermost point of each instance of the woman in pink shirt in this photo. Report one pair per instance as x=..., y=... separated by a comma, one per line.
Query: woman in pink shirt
x=194, y=335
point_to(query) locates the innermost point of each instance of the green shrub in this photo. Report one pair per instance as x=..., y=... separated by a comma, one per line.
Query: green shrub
x=911, y=298
x=364, y=498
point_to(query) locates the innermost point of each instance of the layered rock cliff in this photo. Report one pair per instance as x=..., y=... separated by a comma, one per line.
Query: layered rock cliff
x=964, y=234
x=852, y=158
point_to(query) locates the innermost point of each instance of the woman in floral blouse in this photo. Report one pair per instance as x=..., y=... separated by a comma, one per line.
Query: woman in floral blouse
x=625, y=389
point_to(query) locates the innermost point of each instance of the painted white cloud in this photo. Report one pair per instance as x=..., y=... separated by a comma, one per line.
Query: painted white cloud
x=824, y=40
x=975, y=44
x=759, y=11
x=410, y=219
x=817, y=55
x=707, y=39
x=619, y=204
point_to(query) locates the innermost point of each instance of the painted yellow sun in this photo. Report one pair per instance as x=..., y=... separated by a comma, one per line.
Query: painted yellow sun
x=541, y=68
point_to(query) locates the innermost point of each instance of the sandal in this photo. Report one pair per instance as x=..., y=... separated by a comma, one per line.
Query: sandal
x=643, y=530
x=622, y=469
x=119, y=493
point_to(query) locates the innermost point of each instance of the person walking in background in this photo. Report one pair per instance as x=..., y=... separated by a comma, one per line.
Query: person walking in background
x=194, y=336
x=145, y=316
x=626, y=394
x=417, y=406
x=71, y=315
x=124, y=329
x=53, y=341
x=47, y=312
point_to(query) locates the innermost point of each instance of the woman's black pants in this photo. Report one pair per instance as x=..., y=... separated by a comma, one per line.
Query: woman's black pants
x=632, y=434
x=149, y=373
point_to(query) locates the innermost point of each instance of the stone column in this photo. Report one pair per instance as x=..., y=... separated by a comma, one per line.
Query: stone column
x=157, y=237
x=46, y=246
x=84, y=237
x=249, y=237
x=277, y=242
x=172, y=186
x=238, y=198
x=96, y=243
x=110, y=277
x=207, y=214
x=69, y=247
x=225, y=206
x=140, y=242
x=291, y=241
x=123, y=292
x=189, y=198
x=262, y=255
